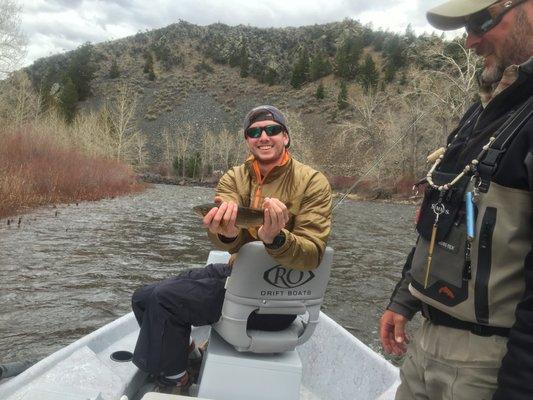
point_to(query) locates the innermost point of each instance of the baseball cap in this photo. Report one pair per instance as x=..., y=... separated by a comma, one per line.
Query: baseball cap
x=452, y=14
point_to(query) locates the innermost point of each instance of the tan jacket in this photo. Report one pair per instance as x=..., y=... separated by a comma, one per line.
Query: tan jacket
x=305, y=192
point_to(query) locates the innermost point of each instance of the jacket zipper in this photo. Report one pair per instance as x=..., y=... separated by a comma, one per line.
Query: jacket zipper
x=481, y=291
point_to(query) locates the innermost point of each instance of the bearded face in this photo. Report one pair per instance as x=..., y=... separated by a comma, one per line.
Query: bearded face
x=515, y=47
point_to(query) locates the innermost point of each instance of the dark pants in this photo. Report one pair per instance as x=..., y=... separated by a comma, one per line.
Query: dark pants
x=166, y=310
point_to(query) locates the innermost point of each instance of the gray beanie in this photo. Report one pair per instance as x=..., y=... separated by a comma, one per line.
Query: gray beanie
x=266, y=113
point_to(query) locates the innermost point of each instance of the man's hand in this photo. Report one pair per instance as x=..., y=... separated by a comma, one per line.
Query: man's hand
x=392, y=333
x=221, y=220
x=275, y=219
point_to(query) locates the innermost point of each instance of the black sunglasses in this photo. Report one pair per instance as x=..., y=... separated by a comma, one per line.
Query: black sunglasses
x=486, y=19
x=271, y=130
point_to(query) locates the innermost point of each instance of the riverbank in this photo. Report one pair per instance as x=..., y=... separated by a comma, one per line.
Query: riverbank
x=396, y=199
x=35, y=170
x=151, y=177
x=399, y=191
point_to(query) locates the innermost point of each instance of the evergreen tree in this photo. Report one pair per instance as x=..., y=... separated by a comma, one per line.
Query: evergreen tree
x=114, y=72
x=368, y=35
x=49, y=89
x=379, y=40
x=390, y=72
x=81, y=70
x=271, y=76
x=68, y=97
x=245, y=61
x=149, y=65
x=320, y=93
x=193, y=166
x=204, y=67
x=163, y=54
x=304, y=63
x=234, y=57
x=410, y=35
x=342, y=99
x=319, y=67
x=347, y=57
x=403, y=79
x=297, y=78
x=215, y=47
x=148, y=62
x=394, y=50
x=368, y=74
x=300, y=71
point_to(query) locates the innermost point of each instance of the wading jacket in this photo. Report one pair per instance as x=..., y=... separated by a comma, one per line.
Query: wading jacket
x=496, y=288
x=305, y=192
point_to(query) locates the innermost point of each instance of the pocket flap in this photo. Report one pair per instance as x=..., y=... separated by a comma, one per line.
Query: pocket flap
x=453, y=201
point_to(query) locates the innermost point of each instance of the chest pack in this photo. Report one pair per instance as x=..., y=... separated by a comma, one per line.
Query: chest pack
x=456, y=273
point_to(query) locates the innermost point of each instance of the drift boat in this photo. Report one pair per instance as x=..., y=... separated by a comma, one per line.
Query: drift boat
x=330, y=365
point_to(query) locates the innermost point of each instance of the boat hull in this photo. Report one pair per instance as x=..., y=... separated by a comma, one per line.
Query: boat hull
x=336, y=365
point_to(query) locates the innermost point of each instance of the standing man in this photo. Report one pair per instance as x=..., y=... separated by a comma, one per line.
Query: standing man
x=296, y=201
x=471, y=271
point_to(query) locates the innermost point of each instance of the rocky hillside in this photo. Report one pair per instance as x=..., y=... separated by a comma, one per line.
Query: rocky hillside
x=208, y=77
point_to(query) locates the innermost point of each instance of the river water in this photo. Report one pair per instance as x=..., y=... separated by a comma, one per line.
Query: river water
x=68, y=270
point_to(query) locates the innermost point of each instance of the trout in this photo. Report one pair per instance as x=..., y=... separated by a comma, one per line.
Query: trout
x=246, y=217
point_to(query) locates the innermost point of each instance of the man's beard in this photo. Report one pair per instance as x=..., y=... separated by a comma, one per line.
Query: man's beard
x=516, y=49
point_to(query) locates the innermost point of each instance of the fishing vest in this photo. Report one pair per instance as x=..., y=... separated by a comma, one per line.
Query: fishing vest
x=485, y=286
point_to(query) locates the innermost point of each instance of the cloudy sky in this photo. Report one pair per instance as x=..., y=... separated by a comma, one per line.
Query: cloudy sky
x=53, y=26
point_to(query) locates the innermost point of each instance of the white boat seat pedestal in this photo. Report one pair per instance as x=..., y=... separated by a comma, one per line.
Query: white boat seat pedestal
x=228, y=374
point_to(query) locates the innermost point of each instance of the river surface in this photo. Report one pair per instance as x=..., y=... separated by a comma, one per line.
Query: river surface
x=68, y=270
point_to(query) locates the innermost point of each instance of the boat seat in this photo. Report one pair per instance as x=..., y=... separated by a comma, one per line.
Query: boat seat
x=258, y=283
x=244, y=364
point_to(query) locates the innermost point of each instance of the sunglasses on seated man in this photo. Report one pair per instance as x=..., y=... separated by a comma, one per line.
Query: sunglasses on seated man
x=271, y=130
x=484, y=20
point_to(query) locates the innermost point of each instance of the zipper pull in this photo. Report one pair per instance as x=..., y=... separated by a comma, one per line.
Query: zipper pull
x=467, y=271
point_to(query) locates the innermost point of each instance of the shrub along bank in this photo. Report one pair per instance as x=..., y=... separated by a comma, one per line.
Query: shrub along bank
x=35, y=170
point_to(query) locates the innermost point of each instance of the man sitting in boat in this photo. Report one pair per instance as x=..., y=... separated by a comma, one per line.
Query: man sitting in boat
x=296, y=201
x=471, y=271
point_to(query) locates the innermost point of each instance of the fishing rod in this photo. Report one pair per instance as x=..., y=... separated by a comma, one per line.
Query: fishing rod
x=379, y=159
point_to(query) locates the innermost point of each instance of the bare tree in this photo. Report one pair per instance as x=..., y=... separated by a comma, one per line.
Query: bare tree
x=207, y=154
x=169, y=149
x=228, y=149
x=120, y=116
x=19, y=103
x=89, y=132
x=139, y=143
x=369, y=130
x=301, y=140
x=12, y=41
x=183, y=146
x=357, y=142
x=454, y=83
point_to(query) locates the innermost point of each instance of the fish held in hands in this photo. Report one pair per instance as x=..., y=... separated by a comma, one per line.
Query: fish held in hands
x=246, y=217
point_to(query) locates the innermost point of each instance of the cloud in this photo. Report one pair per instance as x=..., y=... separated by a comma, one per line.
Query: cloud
x=59, y=25
x=73, y=4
